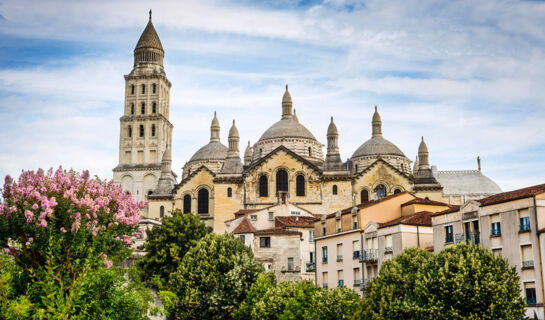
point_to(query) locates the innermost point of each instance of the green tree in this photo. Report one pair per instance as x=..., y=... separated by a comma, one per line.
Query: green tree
x=166, y=246
x=461, y=282
x=337, y=303
x=212, y=280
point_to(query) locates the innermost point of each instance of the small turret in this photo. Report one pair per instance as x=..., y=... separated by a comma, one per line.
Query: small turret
x=287, y=105
x=215, y=129
x=333, y=157
x=423, y=156
x=415, y=167
x=149, y=49
x=295, y=116
x=479, y=163
x=233, y=141
x=232, y=164
x=248, y=153
x=166, y=180
x=377, y=124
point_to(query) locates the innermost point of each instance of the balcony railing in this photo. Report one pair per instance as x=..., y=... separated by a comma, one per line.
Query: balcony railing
x=324, y=260
x=364, y=284
x=528, y=264
x=311, y=266
x=525, y=227
x=496, y=232
x=357, y=282
x=341, y=283
x=531, y=301
x=340, y=257
x=388, y=250
x=356, y=254
x=325, y=286
x=369, y=255
x=471, y=238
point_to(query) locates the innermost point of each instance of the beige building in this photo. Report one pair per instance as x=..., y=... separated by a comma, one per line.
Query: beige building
x=286, y=164
x=281, y=237
x=510, y=224
x=351, y=244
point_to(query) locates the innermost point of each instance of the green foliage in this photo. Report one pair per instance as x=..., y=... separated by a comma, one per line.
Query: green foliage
x=11, y=305
x=212, y=279
x=461, y=282
x=166, y=246
x=296, y=300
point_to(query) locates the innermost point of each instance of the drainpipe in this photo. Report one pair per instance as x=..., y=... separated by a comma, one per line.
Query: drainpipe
x=315, y=264
x=539, y=237
x=417, y=237
x=362, y=263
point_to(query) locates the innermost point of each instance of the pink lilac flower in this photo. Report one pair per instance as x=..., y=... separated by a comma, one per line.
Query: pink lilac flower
x=63, y=230
x=108, y=264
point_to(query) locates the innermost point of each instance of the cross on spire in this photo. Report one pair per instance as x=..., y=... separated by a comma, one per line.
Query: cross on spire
x=150, y=14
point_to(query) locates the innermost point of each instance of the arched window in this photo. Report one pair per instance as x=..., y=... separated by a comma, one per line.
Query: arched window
x=153, y=130
x=132, y=108
x=396, y=191
x=143, y=88
x=129, y=131
x=364, y=196
x=162, y=211
x=229, y=192
x=187, y=203
x=202, y=205
x=281, y=180
x=335, y=190
x=263, y=186
x=300, y=186
x=380, y=191
x=154, y=108
x=143, y=108
x=132, y=88
x=141, y=130
x=154, y=86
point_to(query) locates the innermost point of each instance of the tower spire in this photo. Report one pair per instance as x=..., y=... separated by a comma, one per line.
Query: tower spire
x=333, y=157
x=149, y=14
x=423, y=156
x=215, y=129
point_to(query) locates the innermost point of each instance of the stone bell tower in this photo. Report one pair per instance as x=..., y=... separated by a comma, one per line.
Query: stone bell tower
x=145, y=129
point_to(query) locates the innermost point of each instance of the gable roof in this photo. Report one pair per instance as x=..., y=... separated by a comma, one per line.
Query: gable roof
x=244, y=226
x=289, y=152
x=422, y=218
x=194, y=173
x=243, y=212
x=368, y=204
x=453, y=208
x=295, y=221
x=386, y=163
x=424, y=201
x=277, y=231
x=513, y=195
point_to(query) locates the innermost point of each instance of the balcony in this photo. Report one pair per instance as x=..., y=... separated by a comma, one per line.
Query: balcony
x=531, y=301
x=357, y=283
x=311, y=266
x=364, y=284
x=470, y=238
x=388, y=250
x=525, y=227
x=340, y=283
x=325, y=286
x=324, y=260
x=369, y=255
x=356, y=254
x=528, y=264
x=340, y=257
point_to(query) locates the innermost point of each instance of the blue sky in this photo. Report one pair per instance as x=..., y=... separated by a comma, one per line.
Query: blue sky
x=468, y=77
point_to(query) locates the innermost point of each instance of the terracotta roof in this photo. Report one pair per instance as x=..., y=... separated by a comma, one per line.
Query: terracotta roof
x=422, y=218
x=424, y=201
x=294, y=221
x=366, y=204
x=277, y=231
x=243, y=212
x=245, y=226
x=512, y=195
x=452, y=208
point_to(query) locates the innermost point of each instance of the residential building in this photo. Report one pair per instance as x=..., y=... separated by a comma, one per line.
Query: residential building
x=510, y=224
x=351, y=244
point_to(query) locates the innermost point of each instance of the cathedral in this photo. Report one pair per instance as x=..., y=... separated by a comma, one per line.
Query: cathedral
x=286, y=165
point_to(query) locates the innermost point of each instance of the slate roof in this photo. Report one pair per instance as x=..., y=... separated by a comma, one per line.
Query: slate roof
x=466, y=182
x=513, y=195
x=277, y=231
x=366, y=204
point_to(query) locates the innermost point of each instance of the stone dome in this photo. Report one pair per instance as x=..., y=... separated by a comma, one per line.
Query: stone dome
x=377, y=146
x=467, y=182
x=287, y=128
x=212, y=151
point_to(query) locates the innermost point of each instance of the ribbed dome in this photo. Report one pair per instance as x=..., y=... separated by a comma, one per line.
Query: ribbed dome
x=212, y=151
x=149, y=38
x=377, y=146
x=466, y=182
x=287, y=128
